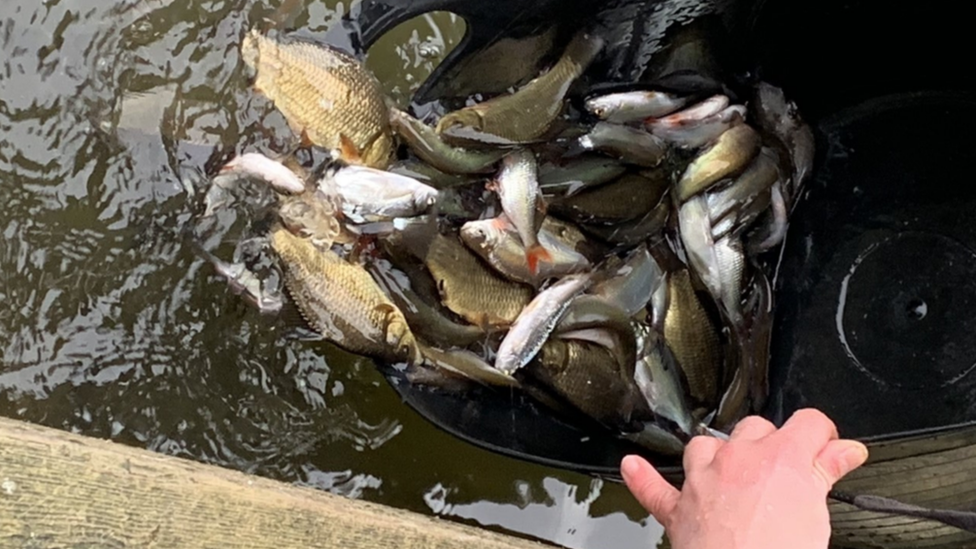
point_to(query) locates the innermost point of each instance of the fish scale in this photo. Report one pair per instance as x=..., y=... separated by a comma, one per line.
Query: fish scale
x=323, y=93
x=342, y=302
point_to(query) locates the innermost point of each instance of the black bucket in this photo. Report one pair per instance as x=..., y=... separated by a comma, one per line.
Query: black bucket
x=876, y=289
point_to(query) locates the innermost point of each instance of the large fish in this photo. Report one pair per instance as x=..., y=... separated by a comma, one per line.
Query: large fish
x=323, y=93
x=472, y=290
x=629, y=197
x=518, y=188
x=693, y=339
x=341, y=302
x=496, y=241
x=527, y=114
x=536, y=321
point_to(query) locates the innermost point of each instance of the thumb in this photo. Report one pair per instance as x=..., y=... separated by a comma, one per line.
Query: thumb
x=838, y=458
x=649, y=487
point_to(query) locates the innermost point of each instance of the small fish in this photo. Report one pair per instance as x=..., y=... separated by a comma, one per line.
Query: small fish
x=586, y=375
x=429, y=147
x=630, y=197
x=470, y=289
x=578, y=174
x=245, y=283
x=693, y=340
x=534, y=324
x=659, y=379
x=497, y=242
x=634, y=106
x=719, y=264
x=341, y=302
x=467, y=365
x=370, y=195
x=781, y=119
x=712, y=105
x=773, y=232
x=693, y=134
x=527, y=114
x=629, y=145
x=428, y=175
x=323, y=93
x=636, y=231
x=311, y=215
x=518, y=188
x=657, y=439
x=262, y=168
x=728, y=156
x=632, y=284
x=733, y=208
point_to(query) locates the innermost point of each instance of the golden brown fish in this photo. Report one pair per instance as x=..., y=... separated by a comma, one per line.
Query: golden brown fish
x=693, y=340
x=728, y=156
x=470, y=288
x=340, y=301
x=323, y=93
x=527, y=114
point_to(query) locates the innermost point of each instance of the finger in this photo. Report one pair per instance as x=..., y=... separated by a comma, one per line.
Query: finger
x=653, y=492
x=752, y=428
x=838, y=458
x=700, y=452
x=807, y=432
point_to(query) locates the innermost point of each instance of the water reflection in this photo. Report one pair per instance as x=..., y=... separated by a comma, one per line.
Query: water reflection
x=112, y=117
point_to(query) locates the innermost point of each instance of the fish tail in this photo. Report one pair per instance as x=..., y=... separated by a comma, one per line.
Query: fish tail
x=535, y=254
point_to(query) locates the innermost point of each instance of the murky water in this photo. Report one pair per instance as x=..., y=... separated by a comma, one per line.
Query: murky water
x=112, y=115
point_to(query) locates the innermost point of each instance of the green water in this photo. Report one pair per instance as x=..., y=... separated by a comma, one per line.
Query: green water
x=112, y=115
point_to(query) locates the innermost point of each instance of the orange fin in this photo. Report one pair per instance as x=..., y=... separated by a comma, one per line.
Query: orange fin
x=304, y=140
x=348, y=151
x=534, y=255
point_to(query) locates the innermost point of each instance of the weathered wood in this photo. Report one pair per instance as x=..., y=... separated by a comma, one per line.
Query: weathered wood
x=63, y=490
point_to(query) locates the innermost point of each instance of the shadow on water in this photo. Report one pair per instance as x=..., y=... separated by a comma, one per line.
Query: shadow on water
x=112, y=115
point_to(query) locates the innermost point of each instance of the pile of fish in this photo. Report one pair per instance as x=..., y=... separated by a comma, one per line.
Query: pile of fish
x=602, y=261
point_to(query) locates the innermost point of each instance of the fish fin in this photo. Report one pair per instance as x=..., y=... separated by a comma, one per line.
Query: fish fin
x=491, y=185
x=535, y=254
x=304, y=141
x=348, y=151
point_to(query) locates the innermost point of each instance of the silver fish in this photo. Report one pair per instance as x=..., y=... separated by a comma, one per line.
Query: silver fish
x=720, y=265
x=659, y=380
x=531, y=329
x=781, y=118
x=633, y=106
x=262, y=168
x=496, y=241
x=466, y=364
x=698, y=111
x=629, y=145
x=735, y=207
x=371, y=195
x=693, y=134
x=518, y=188
x=773, y=233
x=632, y=284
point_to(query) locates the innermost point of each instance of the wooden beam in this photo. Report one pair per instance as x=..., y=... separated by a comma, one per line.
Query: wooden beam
x=63, y=490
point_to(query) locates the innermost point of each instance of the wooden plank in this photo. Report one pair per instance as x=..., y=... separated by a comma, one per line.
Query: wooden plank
x=63, y=490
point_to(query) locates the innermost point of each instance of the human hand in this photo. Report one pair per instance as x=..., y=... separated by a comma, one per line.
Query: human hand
x=764, y=488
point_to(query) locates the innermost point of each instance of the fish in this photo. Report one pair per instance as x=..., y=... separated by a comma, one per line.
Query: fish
x=341, y=302
x=659, y=380
x=733, y=208
x=323, y=93
x=631, y=285
x=629, y=145
x=720, y=264
x=536, y=321
x=429, y=175
x=726, y=157
x=636, y=231
x=773, y=232
x=692, y=337
x=586, y=376
x=517, y=185
x=692, y=134
x=634, y=106
x=592, y=318
x=708, y=107
x=527, y=114
x=311, y=215
x=630, y=197
x=578, y=174
x=245, y=283
x=780, y=119
x=413, y=291
x=657, y=439
x=496, y=241
x=429, y=147
x=262, y=168
x=467, y=365
x=471, y=289
x=371, y=195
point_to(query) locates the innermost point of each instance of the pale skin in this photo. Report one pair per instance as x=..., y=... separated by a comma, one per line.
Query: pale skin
x=766, y=488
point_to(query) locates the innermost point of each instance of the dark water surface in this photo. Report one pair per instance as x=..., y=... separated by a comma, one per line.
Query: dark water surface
x=112, y=116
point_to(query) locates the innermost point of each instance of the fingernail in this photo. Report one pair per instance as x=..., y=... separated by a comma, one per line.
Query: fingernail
x=855, y=456
x=630, y=466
